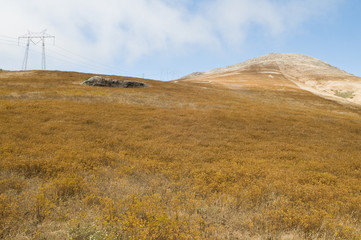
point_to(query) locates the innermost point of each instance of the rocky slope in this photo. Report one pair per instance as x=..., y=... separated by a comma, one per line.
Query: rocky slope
x=286, y=72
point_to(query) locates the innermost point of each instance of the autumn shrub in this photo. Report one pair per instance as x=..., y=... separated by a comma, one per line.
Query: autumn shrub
x=43, y=207
x=11, y=184
x=63, y=188
x=175, y=161
x=149, y=217
x=8, y=216
x=30, y=168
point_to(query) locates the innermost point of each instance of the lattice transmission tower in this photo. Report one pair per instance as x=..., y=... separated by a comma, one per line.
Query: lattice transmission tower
x=35, y=38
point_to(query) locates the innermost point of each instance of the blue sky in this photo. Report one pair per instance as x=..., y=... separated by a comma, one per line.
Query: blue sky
x=166, y=39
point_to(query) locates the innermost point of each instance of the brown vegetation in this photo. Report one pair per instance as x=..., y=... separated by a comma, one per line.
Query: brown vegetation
x=174, y=161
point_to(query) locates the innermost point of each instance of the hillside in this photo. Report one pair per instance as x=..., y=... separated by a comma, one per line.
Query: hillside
x=281, y=71
x=242, y=158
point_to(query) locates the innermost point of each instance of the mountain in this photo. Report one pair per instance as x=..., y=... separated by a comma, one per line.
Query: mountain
x=286, y=72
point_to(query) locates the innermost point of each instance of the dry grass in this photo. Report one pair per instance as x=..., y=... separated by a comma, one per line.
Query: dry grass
x=174, y=161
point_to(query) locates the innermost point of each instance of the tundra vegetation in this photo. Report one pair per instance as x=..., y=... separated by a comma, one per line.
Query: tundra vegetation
x=174, y=161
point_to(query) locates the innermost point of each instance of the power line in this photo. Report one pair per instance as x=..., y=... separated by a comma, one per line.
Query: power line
x=35, y=38
x=82, y=57
x=3, y=36
x=65, y=59
x=84, y=60
x=58, y=53
x=75, y=59
x=9, y=40
x=6, y=42
x=72, y=61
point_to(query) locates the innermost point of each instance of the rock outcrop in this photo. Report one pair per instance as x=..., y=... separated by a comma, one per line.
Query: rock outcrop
x=98, y=81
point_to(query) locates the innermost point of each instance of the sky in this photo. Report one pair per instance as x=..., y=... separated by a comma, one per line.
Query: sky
x=167, y=39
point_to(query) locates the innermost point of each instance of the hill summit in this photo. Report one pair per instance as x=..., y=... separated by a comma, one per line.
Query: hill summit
x=289, y=63
x=279, y=71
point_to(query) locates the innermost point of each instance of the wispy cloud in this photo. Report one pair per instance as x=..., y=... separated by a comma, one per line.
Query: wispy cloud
x=135, y=28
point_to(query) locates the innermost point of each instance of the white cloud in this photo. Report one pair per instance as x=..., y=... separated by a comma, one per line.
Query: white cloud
x=234, y=18
x=134, y=28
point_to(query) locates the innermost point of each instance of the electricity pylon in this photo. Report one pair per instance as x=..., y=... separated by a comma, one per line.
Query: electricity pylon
x=35, y=38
